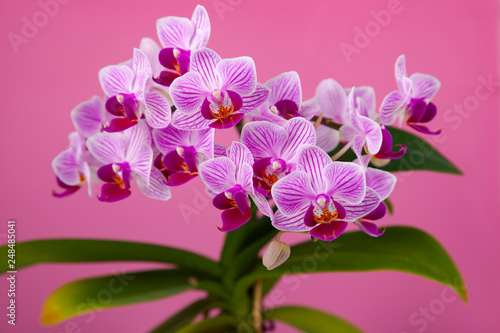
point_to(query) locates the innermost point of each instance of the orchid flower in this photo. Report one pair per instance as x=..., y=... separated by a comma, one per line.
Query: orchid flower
x=179, y=37
x=331, y=98
x=182, y=152
x=125, y=156
x=322, y=196
x=275, y=149
x=284, y=101
x=360, y=131
x=72, y=167
x=129, y=96
x=230, y=178
x=75, y=165
x=382, y=182
x=411, y=102
x=216, y=93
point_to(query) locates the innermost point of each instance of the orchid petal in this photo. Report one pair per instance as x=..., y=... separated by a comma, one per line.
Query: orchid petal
x=332, y=100
x=373, y=135
x=151, y=49
x=357, y=211
x=285, y=86
x=312, y=160
x=140, y=63
x=392, y=107
x=346, y=182
x=233, y=219
x=141, y=162
x=255, y=99
x=219, y=150
x=113, y=192
x=329, y=231
x=424, y=86
x=262, y=204
x=238, y=75
x=65, y=167
x=188, y=92
x=240, y=154
x=175, y=32
x=327, y=138
x=156, y=189
x=369, y=228
x=401, y=75
x=218, y=174
x=300, y=132
x=108, y=147
x=136, y=136
x=201, y=22
x=244, y=175
x=171, y=138
x=157, y=111
x=293, y=192
x=263, y=139
x=87, y=116
x=367, y=95
x=116, y=80
x=204, y=61
x=380, y=181
x=293, y=223
x=189, y=122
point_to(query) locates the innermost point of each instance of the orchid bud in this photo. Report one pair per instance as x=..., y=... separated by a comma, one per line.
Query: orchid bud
x=276, y=254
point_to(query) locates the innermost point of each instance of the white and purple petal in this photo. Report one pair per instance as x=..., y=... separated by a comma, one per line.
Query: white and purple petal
x=293, y=192
x=332, y=99
x=263, y=139
x=87, y=116
x=204, y=61
x=312, y=160
x=239, y=154
x=108, y=147
x=285, y=86
x=238, y=75
x=294, y=223
x=201, y=22
x=157, y=111
x=345, y=181
x=175, y=32
x=116, y=80
x=300, y=133
x=424, y=86
x=256, y=99
x=188, y=92
x=218, y=174
x=327, y=138
x=380, y=181
x=357, y=211
x=156, y=189
x=190, y=122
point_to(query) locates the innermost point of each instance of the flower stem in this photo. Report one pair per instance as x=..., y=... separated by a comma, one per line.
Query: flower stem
x=257, y=306
x=341, y=151
x=327, y=122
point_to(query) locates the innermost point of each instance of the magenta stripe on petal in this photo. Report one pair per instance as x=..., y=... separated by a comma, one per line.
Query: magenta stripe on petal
x=233, y=219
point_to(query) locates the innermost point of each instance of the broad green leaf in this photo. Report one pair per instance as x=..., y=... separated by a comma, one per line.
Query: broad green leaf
x=185, y=316
x=419, y=156
x=220, y=324
x=113, y=290
x=402, y=249
x=93, y=250
x=310, y=320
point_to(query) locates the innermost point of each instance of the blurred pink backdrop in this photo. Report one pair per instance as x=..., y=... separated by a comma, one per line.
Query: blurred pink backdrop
x=56, y=68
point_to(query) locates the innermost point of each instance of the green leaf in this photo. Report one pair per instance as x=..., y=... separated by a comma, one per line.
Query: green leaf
x=311, y=321
x=93, y=250
x=220, y=324
x=113, y=290
x=402, y=249
x=390, y=207
x=185, y=316
x=419, y=156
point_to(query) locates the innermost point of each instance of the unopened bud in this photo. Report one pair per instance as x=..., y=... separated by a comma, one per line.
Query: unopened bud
x=379, y=162
x=276, y=254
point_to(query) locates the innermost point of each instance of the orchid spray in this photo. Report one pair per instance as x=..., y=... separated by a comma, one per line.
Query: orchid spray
x=314, y=167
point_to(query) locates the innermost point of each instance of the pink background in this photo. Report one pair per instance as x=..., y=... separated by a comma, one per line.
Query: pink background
x=57, y=69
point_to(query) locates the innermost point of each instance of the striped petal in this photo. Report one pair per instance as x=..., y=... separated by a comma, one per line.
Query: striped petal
x=175, y=32
x=188, y=92
x=357, y=211
x=238, y=75
x=218, y=174
x=156, y=189
x=239, y=154
x=116, y=80
x=293, y=193
x=204, y=61
x=254, y=100
x=293, y=223
x=312, y=160
x=346, y=182
x=108, y=147
x=285, y=86
x=424, y=86
x=157, y=111
x=332, y=99
x=263, y=139
x=201, y=22
x=380, y=181
x=327, y=138
x=189, y=122
x=87, y=116
x=300, y=133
